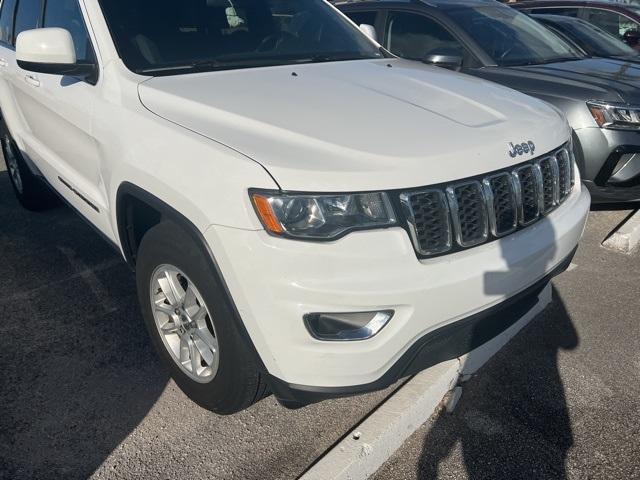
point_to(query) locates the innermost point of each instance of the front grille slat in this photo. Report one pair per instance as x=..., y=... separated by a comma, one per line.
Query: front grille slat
x=468, y=213
x=429, y=221
x=500, y=192
x=529, y=194
x=550, y=185
x=565, y=174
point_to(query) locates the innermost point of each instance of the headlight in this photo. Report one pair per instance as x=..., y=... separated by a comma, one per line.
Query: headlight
x=615, y=115
x=322, y=217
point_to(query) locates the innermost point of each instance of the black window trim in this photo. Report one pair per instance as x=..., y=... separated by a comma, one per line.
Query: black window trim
x=10, y=45
x=85, y=22
x=15, y=16
x=43, y=9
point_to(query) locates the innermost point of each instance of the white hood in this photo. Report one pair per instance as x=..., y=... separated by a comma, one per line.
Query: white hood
x=358, y=125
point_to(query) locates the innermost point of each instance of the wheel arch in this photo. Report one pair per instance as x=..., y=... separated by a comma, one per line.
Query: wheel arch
x=137, y=211
x=127, y=192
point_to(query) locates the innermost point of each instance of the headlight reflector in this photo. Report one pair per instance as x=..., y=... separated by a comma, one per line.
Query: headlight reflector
x=322, y=217
x=615, y=115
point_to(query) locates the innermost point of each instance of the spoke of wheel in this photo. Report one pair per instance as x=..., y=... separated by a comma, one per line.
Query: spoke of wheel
x=184, y=350
x=195, y=357
x=171, y=288
x=207, y=350
x=199, y=317
x=190, y=298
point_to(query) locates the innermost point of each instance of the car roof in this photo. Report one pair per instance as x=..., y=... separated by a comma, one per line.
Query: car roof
x=430, y=3
x=554, y=18
x=609, y=5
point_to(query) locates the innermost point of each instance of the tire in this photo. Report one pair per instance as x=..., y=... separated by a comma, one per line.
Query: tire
x=170, y=261
x=30, y=190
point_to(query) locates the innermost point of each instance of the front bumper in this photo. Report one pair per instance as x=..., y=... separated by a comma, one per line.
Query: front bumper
x=274, y=282
x=609, y=163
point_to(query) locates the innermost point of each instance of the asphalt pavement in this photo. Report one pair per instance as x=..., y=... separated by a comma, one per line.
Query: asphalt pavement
x=82, y=393
x=562, y=400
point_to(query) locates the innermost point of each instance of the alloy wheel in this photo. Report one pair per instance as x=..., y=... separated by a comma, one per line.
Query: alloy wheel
x=185, y=324
x=12, y=164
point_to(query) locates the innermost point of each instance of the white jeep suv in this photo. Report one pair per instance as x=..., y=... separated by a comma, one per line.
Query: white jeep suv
x=305, y=214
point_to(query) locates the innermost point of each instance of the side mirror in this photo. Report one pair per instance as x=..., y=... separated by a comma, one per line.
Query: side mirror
x=51, y=51
x=369, y=31
x=450, y=62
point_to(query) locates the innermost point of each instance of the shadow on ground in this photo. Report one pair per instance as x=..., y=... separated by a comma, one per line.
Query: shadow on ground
x=513, y=421
x=78, y=373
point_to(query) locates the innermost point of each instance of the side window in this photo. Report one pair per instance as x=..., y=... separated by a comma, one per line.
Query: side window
x=27, y=16
x=566, y=12
x=612, y=22
x=360, y=18
x=6, y=21
x=67, y=14
x=414, y=36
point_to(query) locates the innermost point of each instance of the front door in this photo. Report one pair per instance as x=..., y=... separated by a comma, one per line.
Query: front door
x=57, y=111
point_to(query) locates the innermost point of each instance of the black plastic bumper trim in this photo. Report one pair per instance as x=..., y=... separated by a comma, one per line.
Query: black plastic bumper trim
x=444, y=344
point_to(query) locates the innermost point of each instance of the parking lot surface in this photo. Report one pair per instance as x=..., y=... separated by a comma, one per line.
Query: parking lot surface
x=83, y=394
x=562, y=400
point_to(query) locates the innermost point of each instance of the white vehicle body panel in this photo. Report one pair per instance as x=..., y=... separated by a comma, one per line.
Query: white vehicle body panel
x=404, y=125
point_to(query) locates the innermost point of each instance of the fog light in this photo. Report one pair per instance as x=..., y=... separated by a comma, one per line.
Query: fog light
x=345, y=327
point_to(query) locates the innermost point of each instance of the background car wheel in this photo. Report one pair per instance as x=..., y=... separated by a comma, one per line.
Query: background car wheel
x=32, y=193
x=191, y=324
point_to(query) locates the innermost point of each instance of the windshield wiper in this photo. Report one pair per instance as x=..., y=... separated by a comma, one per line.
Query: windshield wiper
x=204, y=65
x=224, y=63
x=324, y=58
x=546, y=62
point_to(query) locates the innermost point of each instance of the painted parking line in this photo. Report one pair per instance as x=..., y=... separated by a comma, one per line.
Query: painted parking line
x=626, y=239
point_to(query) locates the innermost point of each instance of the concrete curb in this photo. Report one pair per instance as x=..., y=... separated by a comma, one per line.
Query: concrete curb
x=370, y=445
x=627, y=238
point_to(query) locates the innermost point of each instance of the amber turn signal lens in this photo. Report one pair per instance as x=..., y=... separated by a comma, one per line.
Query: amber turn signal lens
x=265, y=212
x=598, y=115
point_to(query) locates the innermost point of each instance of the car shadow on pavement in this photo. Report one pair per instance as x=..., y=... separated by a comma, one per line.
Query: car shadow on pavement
x=513, y=419
x=78, y=373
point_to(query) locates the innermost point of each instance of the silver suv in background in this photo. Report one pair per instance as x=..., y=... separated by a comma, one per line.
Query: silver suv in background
x=600, y=97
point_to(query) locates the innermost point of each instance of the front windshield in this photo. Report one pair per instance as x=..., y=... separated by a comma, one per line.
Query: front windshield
x=163, y=37
x=598, y=41
x=510, y=37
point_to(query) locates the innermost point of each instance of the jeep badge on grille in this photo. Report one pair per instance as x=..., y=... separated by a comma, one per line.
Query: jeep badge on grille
x=521, y=149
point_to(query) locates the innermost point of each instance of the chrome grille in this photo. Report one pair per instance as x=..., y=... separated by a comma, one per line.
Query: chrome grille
x=468, y=213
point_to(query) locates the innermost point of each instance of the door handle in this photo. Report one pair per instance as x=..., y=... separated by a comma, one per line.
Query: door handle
x=32, y=80
x=3, y=63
